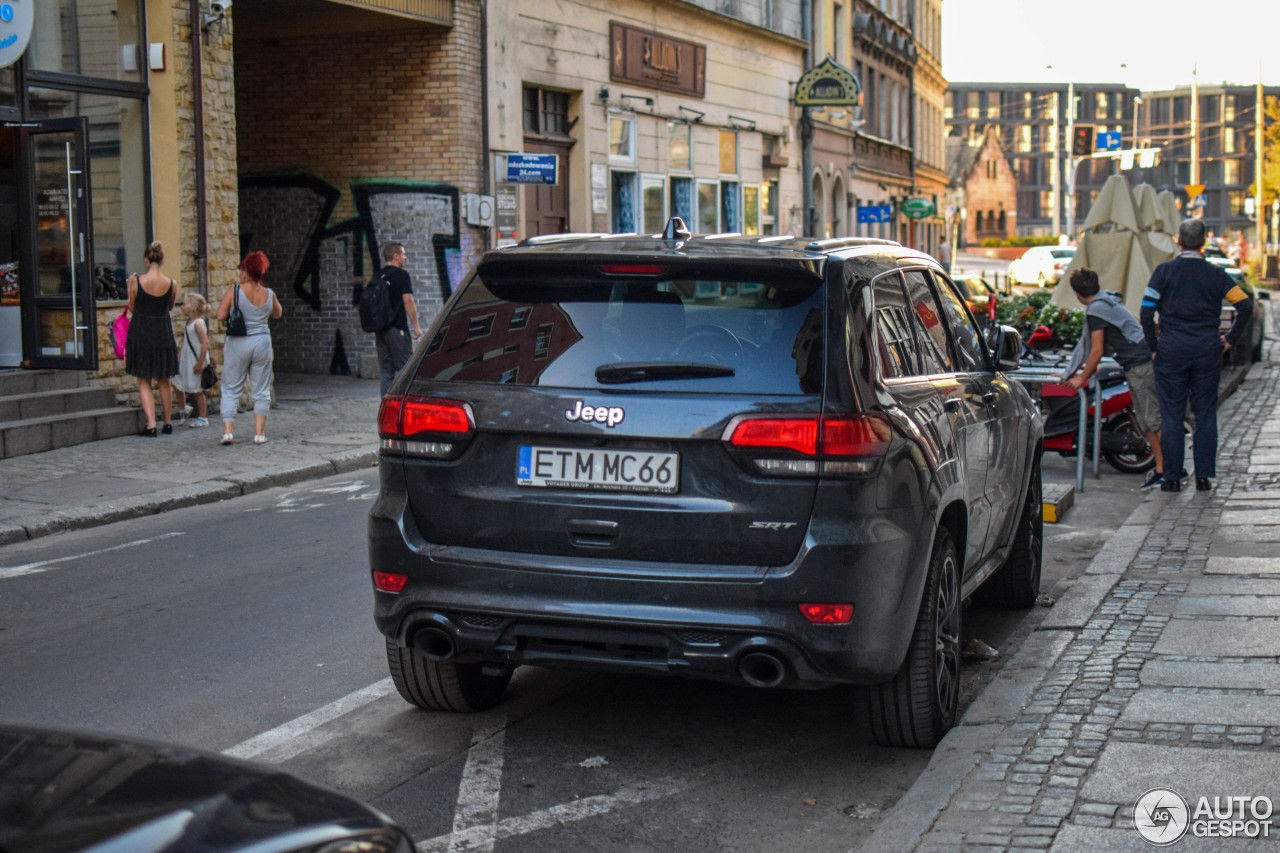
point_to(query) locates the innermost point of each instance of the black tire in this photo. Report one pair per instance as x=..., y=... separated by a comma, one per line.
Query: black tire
x=918, y=705
x=1016, y=584
x=443, y=685
x=1129, y=463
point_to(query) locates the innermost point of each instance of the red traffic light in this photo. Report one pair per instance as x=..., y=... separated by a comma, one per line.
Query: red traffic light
x=1082, y=140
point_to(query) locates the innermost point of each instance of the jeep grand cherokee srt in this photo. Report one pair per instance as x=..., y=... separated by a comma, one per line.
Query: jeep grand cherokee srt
x=776, y=461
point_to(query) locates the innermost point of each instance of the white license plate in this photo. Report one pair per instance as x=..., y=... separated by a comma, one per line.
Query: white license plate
x=611, y=470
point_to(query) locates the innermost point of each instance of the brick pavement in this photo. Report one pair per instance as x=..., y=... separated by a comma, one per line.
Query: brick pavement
x=1160, y=668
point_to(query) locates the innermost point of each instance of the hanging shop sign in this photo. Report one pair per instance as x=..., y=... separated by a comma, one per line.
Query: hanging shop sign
x=917, y=208
x=655, y=61
x=829, y=84
x=16, y=18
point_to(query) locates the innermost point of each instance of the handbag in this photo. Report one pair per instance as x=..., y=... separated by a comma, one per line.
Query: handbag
x=235, y=318
x=119, y=333
x=209, y=374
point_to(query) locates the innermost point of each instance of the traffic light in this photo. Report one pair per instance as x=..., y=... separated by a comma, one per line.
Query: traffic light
x=1082, y=140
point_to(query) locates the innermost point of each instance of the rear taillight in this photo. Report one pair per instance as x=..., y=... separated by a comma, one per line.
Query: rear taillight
x=827, y=614
x=388, y=582
x=424, y=426
x=804, y=445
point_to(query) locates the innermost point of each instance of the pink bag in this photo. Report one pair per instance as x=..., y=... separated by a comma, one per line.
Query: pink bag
x=119, y=333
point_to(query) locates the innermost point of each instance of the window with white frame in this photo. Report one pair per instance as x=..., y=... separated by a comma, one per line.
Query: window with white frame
x=622, y=138
x=653, y=203
x=708, y=211
x=769, y=208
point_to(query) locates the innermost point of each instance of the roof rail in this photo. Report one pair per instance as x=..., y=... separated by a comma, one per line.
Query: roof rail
x=845, y=242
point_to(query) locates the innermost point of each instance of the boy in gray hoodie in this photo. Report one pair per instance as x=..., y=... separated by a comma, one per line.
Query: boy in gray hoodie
x=1113, y=330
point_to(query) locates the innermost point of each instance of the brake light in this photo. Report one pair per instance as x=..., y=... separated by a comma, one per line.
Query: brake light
x=448, y=422
x=388, y=582
x=840, y=444
x=827, y=614
x=633, y=269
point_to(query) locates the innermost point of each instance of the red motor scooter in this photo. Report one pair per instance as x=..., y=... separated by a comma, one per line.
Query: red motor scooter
x=1124, y=445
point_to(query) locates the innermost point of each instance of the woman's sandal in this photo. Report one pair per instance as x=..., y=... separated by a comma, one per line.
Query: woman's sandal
x=259, y=439
x=227, y=438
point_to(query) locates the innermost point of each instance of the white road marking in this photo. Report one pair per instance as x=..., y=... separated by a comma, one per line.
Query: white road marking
x=33, y=568
x=301, y=500
x=640, y=792
x=298, y=735
x=476, y=811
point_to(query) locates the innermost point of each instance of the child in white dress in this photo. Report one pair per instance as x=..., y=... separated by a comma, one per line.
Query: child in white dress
x=193, y=353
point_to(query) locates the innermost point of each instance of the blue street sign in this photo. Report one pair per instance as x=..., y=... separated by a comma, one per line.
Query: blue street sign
x=532, y=168
x=1109, y=141
x=875, y=213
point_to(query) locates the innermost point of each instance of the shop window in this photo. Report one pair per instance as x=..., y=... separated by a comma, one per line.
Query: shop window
x=8, y=92
x=546, y=112
x=751, y=210
x=769, y=208
x=730, y=206
x=624, y=202
x=708, y=207
x=682, y=199
x=117, y=173
x=88, y=39
x=622, y=138
x=728, y=152
x=679, y=151
x=653, y=190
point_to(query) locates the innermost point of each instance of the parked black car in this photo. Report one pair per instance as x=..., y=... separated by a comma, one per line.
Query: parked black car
x=64, y=792
x=769, y=460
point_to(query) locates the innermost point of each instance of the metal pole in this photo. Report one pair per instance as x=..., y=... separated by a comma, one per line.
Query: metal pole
x=1260, y=172
x=1081, y=432
x=1097, y=422
x=1071, y=163
x=806, y=128
x=76, y=325
x=1195, y=131
x=1057, y=172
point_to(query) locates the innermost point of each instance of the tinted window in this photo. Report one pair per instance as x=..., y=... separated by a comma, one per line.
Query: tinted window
x=1063, y=253
x=895, y=345
x=558, y=329
x=964, y=332
x=930, y=324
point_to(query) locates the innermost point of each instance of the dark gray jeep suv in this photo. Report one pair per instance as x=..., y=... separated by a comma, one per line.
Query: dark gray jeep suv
x=769, y=460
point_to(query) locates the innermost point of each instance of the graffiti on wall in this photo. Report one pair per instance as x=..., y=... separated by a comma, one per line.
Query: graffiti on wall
x=318, y=266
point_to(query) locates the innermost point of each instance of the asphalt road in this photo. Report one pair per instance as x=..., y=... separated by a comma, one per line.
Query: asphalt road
x=245, y=626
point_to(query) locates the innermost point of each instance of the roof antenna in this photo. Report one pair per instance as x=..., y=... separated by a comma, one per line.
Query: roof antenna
x=676, y=230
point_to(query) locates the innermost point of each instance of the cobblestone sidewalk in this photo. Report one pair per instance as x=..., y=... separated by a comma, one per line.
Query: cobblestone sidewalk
x=1159, y=669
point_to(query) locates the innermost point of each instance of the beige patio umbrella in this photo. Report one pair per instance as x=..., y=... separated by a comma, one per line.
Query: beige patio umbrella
x=1123, y=239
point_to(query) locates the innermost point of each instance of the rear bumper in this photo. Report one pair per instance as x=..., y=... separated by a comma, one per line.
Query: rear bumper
x=692, y=620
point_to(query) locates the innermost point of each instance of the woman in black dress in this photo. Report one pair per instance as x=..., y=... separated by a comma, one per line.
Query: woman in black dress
x=150, y=352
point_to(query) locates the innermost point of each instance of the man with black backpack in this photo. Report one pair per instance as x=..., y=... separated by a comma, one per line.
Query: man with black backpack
x=393, y=342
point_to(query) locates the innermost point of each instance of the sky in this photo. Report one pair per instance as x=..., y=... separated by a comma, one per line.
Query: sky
x=1086, y=41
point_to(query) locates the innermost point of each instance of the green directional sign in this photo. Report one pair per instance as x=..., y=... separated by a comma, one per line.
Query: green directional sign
x=829, y=84
x=917, y=208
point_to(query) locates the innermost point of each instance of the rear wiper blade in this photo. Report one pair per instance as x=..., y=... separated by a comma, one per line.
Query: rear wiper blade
x=622, y=372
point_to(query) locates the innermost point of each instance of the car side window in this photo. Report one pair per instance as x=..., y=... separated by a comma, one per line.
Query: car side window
x=930, y=324
x=968, y=340
x=895, y=344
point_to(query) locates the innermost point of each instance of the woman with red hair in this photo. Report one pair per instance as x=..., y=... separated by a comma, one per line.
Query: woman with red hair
x=246, y=353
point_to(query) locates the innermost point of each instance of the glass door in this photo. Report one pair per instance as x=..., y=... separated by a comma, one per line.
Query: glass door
x=60, y=320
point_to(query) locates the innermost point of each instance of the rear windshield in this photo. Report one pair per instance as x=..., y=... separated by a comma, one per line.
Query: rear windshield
x=1062, y=253
x=722, y=335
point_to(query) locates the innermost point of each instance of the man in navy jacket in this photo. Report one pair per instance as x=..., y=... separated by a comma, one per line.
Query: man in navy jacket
x=1187, y=292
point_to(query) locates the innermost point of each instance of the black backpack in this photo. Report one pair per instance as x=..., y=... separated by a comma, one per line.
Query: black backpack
x=377, y=305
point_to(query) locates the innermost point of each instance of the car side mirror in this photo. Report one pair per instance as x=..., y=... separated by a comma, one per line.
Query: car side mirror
x=1008, y=348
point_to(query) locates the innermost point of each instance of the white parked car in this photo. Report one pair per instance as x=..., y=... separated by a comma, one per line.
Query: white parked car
x=1042, y=265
